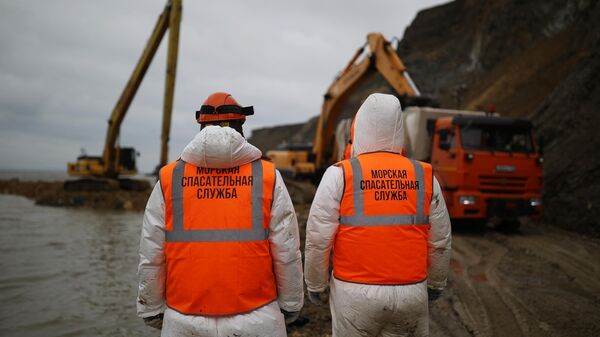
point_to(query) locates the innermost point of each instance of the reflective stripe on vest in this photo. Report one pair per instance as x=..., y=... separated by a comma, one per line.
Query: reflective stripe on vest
x=178, y=234
x=360, y=219
x=384, y=220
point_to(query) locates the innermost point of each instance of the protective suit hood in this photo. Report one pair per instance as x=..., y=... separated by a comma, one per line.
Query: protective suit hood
x=378, y=125
x=219, y=147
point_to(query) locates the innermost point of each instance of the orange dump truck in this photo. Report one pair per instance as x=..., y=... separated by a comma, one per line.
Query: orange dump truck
x=488, y=166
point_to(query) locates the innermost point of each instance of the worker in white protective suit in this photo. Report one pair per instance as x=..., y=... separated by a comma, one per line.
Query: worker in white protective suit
x=385, y=219
x=219, y=251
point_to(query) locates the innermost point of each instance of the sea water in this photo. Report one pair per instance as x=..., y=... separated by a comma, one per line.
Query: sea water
x=68, y=272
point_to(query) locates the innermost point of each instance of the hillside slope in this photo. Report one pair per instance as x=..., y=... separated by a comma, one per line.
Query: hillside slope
x=270, y=138
x=510, y=53
x=537, y=59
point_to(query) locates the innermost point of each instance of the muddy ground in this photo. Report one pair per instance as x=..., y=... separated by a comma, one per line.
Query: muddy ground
x=536, y=281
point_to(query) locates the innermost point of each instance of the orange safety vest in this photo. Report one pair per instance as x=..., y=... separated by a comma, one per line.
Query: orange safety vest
x=384, y=220
x=217, y=227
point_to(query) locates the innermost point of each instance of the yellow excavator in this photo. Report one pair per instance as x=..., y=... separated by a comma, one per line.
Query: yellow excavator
x=105, y=172
x=381, y=59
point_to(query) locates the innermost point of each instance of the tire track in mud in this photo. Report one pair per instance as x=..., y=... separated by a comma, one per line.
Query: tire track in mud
x=453, y=308
x=553, y=277
x=479, y=290
x=577, y=259
x=534, y=283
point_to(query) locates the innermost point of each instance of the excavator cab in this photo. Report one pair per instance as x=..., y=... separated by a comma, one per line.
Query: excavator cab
x=127, y=156
x=93, y=166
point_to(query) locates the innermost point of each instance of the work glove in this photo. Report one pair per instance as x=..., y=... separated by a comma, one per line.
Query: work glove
x=154, y=321
x=315, y=298
x=433, y=294
x=290, y=316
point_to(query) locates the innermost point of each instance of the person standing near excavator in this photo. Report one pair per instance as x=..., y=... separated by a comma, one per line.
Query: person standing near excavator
x=219, y=252
x=385, y=218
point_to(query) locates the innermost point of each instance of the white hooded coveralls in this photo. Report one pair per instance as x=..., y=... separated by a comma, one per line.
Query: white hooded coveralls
x=222, y=147
x=362, y=309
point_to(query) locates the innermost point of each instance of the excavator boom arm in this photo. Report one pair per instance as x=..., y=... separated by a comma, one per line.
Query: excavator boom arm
x=383, y=59
x=111, y=165
x=174, y=21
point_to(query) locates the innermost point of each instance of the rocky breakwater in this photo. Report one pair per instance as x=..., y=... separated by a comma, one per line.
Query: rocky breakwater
x=54, y=194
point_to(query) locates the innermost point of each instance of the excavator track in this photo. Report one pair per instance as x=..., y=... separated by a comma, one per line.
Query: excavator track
x=105, y=184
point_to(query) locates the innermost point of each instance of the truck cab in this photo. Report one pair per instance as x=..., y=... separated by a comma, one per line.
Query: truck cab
x=488, y=167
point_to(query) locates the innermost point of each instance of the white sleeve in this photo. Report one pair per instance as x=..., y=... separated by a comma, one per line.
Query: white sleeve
x=285, y=249
x=323, y=222
x=440, y=240
x=151, y=270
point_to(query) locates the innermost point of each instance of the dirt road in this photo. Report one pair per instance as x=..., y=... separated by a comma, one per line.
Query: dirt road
x=538, y=281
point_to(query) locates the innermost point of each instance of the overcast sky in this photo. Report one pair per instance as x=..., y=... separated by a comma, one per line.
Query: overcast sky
x=63, y=65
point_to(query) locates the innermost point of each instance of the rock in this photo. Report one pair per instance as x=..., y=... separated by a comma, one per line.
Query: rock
x=53, y=194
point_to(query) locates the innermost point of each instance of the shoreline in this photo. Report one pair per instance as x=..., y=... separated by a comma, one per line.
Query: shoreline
x=46, y=193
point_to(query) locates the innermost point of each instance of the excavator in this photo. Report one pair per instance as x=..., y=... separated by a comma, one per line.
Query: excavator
x=106, y=172
x=380, y=59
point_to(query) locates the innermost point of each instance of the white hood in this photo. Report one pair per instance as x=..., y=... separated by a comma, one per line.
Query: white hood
x=219, y=147
x=378, y=125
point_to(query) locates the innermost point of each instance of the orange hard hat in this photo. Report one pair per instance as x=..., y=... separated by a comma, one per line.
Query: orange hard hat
x=221, y=106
